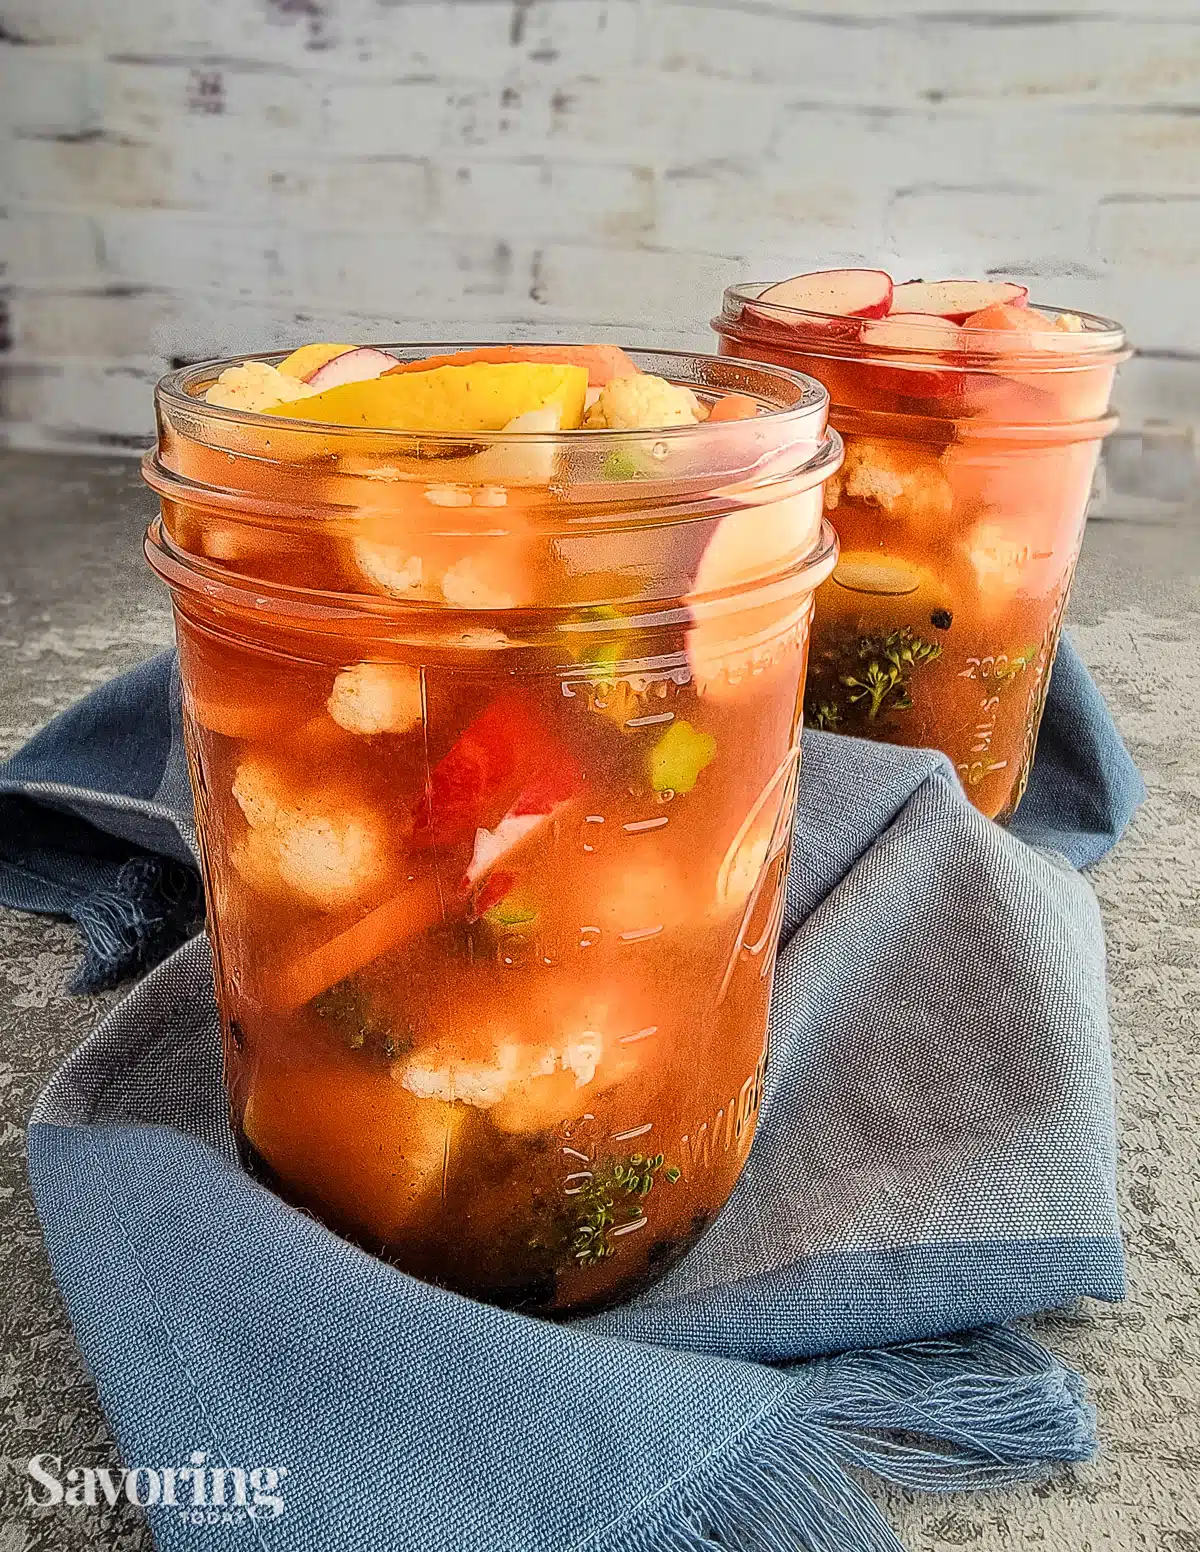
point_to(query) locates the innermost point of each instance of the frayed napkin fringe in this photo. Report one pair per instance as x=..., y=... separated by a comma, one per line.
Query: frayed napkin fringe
x=155, y=905
x=979, y=1410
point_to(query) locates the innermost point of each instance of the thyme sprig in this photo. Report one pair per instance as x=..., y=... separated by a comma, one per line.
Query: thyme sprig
x=612, y=1199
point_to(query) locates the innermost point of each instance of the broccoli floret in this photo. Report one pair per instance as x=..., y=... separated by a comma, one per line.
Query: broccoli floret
x=869, y=679
x=601, y=659
x=888, y=665
x=622, y=465
x=824, y=716
x=348, y=1008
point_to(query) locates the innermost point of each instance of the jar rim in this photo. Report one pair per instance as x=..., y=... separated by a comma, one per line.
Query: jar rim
x=1100, y=339
x=804, y=399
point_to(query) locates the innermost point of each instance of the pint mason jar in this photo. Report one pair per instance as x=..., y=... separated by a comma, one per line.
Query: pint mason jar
x=960, y=510
x=494, y=742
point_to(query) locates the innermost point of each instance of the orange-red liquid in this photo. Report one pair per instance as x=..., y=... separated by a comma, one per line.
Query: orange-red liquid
x=534, y=1077
x=644, y=929
x=960, y=511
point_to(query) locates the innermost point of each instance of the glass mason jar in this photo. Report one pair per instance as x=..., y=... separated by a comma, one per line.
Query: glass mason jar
x=959, y=509
x=493, y=742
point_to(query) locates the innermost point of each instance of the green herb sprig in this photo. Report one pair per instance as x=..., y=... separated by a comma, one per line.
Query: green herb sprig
x=825, y=716
x=876, y=679
x=888, y=664
x=611, y=1199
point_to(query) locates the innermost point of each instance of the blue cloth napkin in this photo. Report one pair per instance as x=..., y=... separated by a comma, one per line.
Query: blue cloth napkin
x=935, y=1155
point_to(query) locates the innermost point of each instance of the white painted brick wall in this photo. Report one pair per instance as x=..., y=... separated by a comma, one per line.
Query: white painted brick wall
x=181, y=178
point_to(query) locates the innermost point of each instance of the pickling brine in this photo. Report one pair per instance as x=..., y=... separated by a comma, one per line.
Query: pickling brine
x=494, y=738
x=972, y=421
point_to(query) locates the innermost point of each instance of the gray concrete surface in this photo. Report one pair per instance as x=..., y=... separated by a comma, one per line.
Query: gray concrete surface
x=78, y=606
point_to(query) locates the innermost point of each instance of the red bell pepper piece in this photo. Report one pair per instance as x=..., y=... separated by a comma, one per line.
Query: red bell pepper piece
x=505, y=762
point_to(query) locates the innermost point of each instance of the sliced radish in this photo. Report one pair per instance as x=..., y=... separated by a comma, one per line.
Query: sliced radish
x=911, y=331
x=846, y=293
x=491, y=845
x=352, y=366
x=955, y=299
x=540, y=799
x=753, y=543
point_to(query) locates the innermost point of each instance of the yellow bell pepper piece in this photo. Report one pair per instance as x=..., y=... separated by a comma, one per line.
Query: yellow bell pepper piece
x=679, y=756
x=483, y=397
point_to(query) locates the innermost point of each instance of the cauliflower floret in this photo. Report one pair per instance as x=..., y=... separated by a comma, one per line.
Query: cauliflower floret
x=376, y=698
x=256, y=386
x=470, y=1083
x=318, y=847
x=869, y=474
x=330, y=859
x=437, y=1074
x=1000, y=559
x=522, y=463
x=391, y=568
x=1007, y=561
x=260, y=792
x=900, y=481
x=467, y=585
x=590, y=1042
x=581, y=1056
x=254, y=860
x=644, y=403
x=1062, y=335
x=448, y=495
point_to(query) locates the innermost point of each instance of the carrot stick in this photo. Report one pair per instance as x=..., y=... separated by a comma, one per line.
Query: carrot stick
x=603, y=362
x=734, y=406
x=291, y=985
